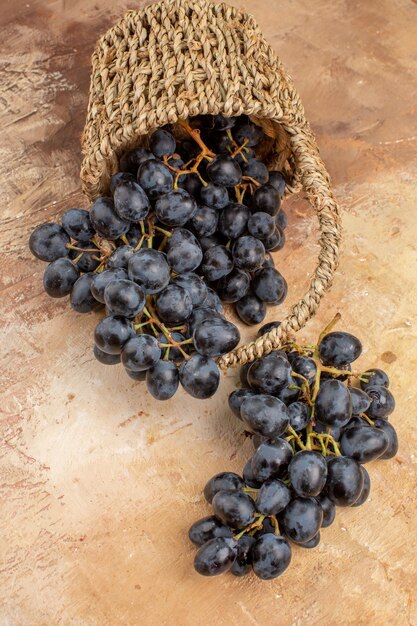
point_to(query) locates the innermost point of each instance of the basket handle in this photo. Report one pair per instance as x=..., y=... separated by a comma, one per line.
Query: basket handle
x=315, y=181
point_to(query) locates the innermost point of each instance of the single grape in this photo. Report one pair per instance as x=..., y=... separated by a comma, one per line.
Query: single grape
x=275, y=242
x=184, y=253
x=162, y=380
x=149, y=269
x=155, y=178
x=59, y=278
x=225, y=481
x=200, y=314
x=261, y=225
x=215, y=337
x=175, y=208
x=120, y=177
x=269, y=286
x=382, y=402
x=248, y=133
x=360, y=401
x=264, y=415
x=290, y=393
x=281, y=220
x=272, y=497
x=218, y=142
x=112, y=333
x=89, y=261
x=233, y=220
x=162, y=143
x=120, y=258
x=174, y=305
x=77, y=224
x=271, y=555
x=223, y=170
x=215, y=556
x=307, y=472
x=124, y=297
x=134, y=234
x=104, y=358
x=234, y=286
x=339, y=348
x=105, y=220
x=140, y=353
x=250, y=309
x=131, y=202
x=302, y=519
x=277, y=180
x=270, y=459
x=191, y=183
x=208, y=528
x=266, y=199
x=374, y=377
x=200, y=376
x=236, y=398
x=363, y=444
x=221, y=122
x=204, y=221
x=304, y=366
x=366, y=489
x=48, y=242
x=266, y=328
x=81, y=298
x=328, y=508
x=269, y=374
x=195, y=286
x=248, y=253
x=215, y=196
x=131, y=161
x=344, y=480
x=243, y=562
x=217, y=262
x=102, y=279
x=234, y=508
x=299, y=414
x=249, y=477
x=392, y=437
x=257, y=170
x=333, y=404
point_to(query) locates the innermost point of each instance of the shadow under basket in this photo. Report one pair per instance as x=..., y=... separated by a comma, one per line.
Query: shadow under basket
x=180, y=58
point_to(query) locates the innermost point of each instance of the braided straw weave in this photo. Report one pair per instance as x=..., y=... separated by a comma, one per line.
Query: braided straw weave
x=181, y=58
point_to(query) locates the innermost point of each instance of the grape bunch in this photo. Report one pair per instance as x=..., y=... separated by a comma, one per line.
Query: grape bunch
x=190, y=222
x=313, y=432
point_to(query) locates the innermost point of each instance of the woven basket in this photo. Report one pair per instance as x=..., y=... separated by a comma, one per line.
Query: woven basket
x=181, y=58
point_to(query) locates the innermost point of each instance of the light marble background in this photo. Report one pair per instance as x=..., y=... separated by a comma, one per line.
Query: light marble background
x=98, y=482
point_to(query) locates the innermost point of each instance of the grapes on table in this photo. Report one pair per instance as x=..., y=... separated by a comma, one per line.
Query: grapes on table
x=310, y=455
x=188, y=222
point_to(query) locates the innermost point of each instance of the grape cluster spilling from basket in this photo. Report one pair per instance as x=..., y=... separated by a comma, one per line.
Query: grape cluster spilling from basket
x=190, y=223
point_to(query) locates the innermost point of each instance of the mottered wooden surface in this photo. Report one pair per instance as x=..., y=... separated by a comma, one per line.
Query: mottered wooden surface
x=98, y=482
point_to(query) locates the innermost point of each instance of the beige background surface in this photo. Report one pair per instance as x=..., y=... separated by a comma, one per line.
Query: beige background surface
x=98, y=482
